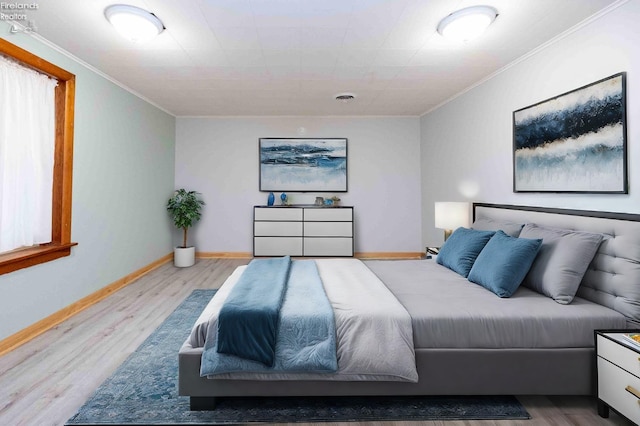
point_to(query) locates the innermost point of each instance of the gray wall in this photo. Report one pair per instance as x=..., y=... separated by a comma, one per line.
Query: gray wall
x=219, y=157
x=467, y=143
x=122, y=177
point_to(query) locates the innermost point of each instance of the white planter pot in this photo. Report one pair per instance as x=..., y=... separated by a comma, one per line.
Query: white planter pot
x=184, y=257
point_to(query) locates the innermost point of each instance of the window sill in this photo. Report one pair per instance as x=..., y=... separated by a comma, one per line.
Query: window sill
x=15, y=260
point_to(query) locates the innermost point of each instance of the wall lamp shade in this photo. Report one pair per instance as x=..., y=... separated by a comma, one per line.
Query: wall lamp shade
x=451, y=215
x=468, y=23
x=133, y=23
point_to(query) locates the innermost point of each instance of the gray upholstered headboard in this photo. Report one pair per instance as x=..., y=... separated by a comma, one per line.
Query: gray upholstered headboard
x=613, y=277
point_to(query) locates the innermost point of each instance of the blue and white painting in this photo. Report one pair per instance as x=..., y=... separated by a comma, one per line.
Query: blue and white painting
x=316, y=165
x=575, y=142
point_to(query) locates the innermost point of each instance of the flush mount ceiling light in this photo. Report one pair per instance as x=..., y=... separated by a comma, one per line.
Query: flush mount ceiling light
x=468, y=23
x=345, y=97
x=133, y=23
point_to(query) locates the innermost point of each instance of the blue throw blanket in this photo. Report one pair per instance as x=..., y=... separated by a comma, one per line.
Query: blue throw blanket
x=306, y=333
x=247, y=323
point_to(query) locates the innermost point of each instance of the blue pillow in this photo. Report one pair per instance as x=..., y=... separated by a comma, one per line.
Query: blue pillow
x=503, y=263
x=461, y=249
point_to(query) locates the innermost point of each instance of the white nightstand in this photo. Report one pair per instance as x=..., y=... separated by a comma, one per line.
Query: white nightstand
x=618, y=364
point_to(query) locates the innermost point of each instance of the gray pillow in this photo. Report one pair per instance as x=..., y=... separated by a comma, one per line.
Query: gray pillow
x=486, y=224
x=561, y=262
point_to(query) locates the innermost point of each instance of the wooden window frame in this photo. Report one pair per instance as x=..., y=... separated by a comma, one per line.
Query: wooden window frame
x=60, y=244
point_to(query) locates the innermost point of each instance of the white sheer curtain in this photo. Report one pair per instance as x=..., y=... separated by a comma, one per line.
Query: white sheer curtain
x=27, y=144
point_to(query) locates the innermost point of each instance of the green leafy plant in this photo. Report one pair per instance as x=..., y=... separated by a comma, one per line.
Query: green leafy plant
x=185, y=210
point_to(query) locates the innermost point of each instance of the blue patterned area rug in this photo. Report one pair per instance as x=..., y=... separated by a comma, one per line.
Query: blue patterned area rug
x=143, y=390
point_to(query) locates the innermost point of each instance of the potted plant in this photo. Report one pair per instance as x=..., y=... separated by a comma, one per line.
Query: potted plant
x=185, y=210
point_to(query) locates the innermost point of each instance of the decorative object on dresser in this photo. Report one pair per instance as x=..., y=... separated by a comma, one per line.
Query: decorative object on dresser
x=575, y=142
x=302, y=231
x=618, y=364
x=185, y=209
x=271, y=199
x=314, y=165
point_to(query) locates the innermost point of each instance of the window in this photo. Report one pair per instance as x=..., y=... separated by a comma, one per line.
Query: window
x=60, y=243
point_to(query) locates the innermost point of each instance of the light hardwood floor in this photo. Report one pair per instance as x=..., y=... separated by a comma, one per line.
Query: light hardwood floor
x=45, y=381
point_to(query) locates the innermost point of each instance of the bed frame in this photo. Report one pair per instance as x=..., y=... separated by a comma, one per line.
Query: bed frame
x=562, y=371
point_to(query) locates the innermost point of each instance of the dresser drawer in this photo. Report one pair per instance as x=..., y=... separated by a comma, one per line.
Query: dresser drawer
x=619, y=354
x=277, y=213
x=274, y=229
x=328, y=229
x=314, y=246
x=328, y=214
x=277, y=246
x=613, y=383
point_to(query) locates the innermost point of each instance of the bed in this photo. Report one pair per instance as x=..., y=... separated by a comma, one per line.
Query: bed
x=466, y=339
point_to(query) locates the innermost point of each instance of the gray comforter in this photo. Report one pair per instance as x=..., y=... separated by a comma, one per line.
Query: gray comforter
x=448, y=311
x=374, y=334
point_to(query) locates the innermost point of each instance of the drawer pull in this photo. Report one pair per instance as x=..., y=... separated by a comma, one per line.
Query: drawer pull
x=633, y=391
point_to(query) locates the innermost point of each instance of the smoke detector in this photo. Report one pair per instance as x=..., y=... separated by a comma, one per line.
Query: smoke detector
x=345, y=97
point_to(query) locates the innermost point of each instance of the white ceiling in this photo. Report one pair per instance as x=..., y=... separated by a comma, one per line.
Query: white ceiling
x=291, y=57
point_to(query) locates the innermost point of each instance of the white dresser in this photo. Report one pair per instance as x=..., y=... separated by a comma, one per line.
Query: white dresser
x=303, y=231
x=618, y=366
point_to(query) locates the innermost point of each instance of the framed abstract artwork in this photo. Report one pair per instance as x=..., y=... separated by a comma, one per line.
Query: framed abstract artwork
x=303, y=165
x=575, y=142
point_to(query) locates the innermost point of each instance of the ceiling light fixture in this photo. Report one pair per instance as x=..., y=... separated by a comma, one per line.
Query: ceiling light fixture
x=468, y=23
x=133, y=23
x=345, y=97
